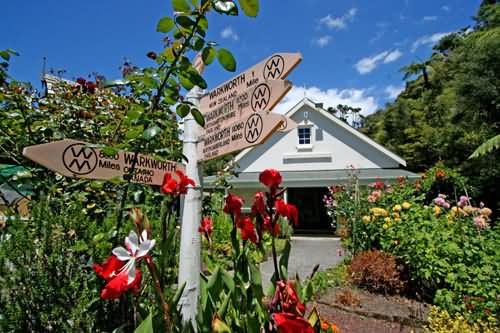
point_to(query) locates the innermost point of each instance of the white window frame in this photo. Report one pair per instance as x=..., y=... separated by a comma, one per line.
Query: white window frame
x=305, y=146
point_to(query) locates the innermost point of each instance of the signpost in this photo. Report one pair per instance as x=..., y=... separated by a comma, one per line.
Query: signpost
x=78, y=159
x=249, y=131
x=262, y=97
x=275, y=67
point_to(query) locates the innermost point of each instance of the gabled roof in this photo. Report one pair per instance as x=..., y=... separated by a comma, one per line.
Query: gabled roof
x=317, y=107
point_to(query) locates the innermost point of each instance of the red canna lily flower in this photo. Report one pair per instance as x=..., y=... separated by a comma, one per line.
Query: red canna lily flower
x=440, y=174
x=206, y=226
x=259, y=205
x=247, y=229
x=184, y=181
x=271, y=178
x=287, y=210
x=291, y=323
x=174, y=187
x=120, y=284
x=267, y=226
x=233, y=205
x=286, y=297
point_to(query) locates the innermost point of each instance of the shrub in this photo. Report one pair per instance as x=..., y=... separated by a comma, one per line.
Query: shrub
x=440, y=321
x=376, y=271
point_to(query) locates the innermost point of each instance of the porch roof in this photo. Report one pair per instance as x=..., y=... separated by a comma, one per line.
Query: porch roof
x=316, y=178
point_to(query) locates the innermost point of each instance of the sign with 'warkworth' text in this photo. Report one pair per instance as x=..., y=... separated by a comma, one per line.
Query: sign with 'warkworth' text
x=275, y=67
x=246, y=132
x=262, y=97
x=74, y=158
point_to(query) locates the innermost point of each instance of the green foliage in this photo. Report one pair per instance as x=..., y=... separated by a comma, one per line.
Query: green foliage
x=451, y=106
x=487, y=147
x=440, y=321
x=226, y=59
x=250, y=7
x=450, y=252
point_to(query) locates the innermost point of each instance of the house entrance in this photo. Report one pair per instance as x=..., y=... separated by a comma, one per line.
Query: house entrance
x=312, y=212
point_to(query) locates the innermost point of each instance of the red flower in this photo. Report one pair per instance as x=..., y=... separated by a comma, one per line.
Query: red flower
x=247, y=229
x=81, y=81
x=116, y=277
x=378, y=185
x=259, y=205
x=233, y=205
x=119, y=285
x=90, y=86
x=206, y=226
x=286, y=296
x=271, y=178
x=174, y=187
x=287, y=210
x=440, y=174
x=109, y=268
x=184, y=181
x=290, y=323
x=267, y=226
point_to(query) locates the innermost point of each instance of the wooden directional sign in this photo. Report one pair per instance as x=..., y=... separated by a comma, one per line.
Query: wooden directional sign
x=249, y=131
x=73, y=158
x=262, y=97
x=287, y=125
x=275, y=67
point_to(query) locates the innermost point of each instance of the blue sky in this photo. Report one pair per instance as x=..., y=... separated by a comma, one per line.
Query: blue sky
x=352, y=50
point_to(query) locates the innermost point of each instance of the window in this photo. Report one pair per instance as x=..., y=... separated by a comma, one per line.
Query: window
x=304, y=135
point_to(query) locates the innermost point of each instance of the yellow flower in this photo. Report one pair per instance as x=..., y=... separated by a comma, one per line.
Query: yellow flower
x=406, y=205
x=395, y=215
x=366, y=219
x=387, y=220
x=397, y=208
x=379, y=212
x=397, y=219
x=485, y=211
x=437, y=210
x=385, y=226
x=469, y=210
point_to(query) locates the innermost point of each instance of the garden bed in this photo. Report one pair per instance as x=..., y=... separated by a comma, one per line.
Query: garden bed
x=356, y=310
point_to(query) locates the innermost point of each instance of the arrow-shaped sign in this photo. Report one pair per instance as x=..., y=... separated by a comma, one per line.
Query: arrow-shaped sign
x=249, y=131
x=262, y=97
x=74, y=158
x=275, y=67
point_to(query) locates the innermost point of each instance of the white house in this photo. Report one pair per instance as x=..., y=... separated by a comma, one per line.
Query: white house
x=320, y=152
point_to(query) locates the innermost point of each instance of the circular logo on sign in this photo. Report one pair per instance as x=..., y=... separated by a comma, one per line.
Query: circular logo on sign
x=79, y=159
x=274, y=67
x=260, y=97
x=253, y=128
x=284, y=124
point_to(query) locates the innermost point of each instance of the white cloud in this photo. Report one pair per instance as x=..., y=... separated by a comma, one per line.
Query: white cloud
x=330, y=97
x=339, y=22
x=322, y=41
x=446, y=8
x=429, y=18
x=393, y=91
x=393, y=56
x=428, y=40
x=368, y=64
x=229, y=33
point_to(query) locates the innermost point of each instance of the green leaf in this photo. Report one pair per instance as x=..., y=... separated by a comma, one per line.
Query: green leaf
x=226, y=59
x=146, y=325
x=198, y=43
x=208, y=55
x=165, y=24
x=283, y=263
x=178, y=295
x=186, y=82
x=151, y=132
x=222, y=310
x=250, y=7
x=184, y=21
x=198, y=117
x=181, y=6
x=109, y=151
x=182, y=110
x=203, y=23
x=487, y=147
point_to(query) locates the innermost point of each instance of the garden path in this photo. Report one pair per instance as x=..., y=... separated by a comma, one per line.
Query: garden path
x=306, y=253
